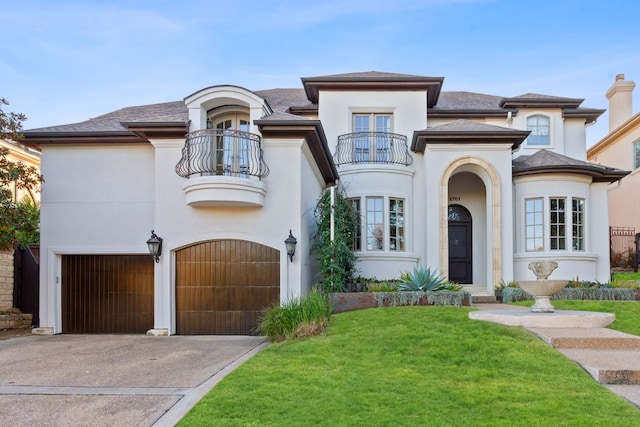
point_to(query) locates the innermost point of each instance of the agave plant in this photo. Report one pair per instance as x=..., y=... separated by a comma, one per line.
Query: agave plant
x=422, y=279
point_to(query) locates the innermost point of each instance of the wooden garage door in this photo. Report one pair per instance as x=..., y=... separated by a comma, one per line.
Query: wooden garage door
x=223, y=285
x=107, y=294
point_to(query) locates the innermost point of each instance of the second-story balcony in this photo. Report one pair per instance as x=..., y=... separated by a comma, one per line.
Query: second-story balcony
x=372, y=147
x=224, y=152
x=224, y=167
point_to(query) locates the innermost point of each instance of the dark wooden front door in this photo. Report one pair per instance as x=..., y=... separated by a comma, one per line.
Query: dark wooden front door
x=222, y=286
x=460, y=257
x=107, y=294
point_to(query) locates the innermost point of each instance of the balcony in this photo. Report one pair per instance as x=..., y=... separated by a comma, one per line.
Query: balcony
x=372, y=148
x=223, y=167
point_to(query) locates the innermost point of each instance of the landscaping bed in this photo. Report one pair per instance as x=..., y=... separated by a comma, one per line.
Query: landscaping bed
x=596, y=294
x=349, y=301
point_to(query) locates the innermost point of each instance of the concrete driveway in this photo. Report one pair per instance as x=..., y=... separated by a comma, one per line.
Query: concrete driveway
x=112, y=380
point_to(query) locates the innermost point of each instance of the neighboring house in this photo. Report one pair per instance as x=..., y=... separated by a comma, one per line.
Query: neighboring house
x=621, y=149
x=26, y=155
x=474, y=185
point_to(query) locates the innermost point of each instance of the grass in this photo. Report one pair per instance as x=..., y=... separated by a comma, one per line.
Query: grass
x=408, y=366
x=627, y=312
x=296, y=318
x=625, y=280
x=626, y=276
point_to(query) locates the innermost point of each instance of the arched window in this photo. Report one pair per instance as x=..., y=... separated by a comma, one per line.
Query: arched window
x=539, y=127
x=458, y=213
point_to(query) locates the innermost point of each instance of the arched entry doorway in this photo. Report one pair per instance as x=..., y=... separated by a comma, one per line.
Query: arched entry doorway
x=460, y=244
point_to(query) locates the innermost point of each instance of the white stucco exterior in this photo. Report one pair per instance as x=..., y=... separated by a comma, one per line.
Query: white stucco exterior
x=104, y=193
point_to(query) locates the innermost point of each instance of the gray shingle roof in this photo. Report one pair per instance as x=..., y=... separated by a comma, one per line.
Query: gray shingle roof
x=165, y=112
x=545, y=161
x=468, y=126
x=458, y=100
x=364, y=75
x=279, y=115
x=283, y=99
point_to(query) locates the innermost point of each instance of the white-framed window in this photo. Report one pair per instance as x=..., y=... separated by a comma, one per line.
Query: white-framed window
x=375, y=223
x=540, y=130
x=557, y=223
x=577, y=215
x=534, y=224
x=370, y=148
x=560, y=223
x=396, y=225
x=232, y=150
x=382, y=225
x=636, y=154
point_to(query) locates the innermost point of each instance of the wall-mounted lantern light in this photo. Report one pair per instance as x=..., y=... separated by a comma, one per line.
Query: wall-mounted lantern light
x=155, y=246
x=290, y=243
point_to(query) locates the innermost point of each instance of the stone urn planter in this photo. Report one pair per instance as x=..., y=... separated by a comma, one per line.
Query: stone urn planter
x=542, y=289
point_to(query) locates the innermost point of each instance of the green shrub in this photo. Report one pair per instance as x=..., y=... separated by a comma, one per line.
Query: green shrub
x=620, y=283
x=586, y=284
x=375, y=285
x=336, y=259
x=296, y=318
x=422, y=279
x=503, y=284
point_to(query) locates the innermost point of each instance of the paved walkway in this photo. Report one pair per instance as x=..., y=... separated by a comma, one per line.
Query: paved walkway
x=611, y=357
x=112, y=380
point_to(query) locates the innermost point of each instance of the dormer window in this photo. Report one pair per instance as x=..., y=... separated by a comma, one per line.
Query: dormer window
x=539, y=127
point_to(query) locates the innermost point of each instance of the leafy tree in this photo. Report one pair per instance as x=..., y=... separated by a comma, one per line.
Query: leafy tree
x=19, y=220
x=336, y=258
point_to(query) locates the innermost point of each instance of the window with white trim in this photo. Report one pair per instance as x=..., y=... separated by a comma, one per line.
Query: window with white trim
x=375, y=223
x=232, y=149
x=539, y=128
x=396, y=224
x=534, y=235
x=562, y=224
x=382, y=224
x=369, y=148
x=636, y=155
x=557, y=223
x=577, y=215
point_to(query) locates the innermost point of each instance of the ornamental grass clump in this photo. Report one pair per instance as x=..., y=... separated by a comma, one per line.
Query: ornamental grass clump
x=296, y=318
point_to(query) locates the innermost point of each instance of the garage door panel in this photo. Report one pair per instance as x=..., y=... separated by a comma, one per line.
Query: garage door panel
x=107, y=293
x=223, y=285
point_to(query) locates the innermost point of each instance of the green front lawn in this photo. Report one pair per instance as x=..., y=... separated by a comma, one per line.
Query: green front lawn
x=627, y=275
x=410, y=366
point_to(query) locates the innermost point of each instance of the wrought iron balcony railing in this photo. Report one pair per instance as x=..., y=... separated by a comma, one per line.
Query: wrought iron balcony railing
x=224, y=152
x=372, y=147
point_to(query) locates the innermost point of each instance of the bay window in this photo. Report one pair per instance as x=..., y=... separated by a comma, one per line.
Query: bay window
x=557, y=222
x=382, y=225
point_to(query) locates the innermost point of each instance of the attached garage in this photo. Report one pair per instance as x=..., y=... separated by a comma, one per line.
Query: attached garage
x=223, y=285
x=107, y=294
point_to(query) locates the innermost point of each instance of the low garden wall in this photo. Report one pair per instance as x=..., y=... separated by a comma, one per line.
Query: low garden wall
x=349, y=301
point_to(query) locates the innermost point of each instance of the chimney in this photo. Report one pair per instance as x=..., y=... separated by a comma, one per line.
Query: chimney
x=619, y=96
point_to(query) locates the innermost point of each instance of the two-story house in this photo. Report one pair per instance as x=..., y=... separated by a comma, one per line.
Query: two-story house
x=474, y=185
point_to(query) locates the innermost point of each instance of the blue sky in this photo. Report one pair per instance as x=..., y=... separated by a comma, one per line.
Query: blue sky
x=67, y=61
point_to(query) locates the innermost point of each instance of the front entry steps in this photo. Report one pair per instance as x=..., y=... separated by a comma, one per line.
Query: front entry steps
x=480, y=295
x=609, y=356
